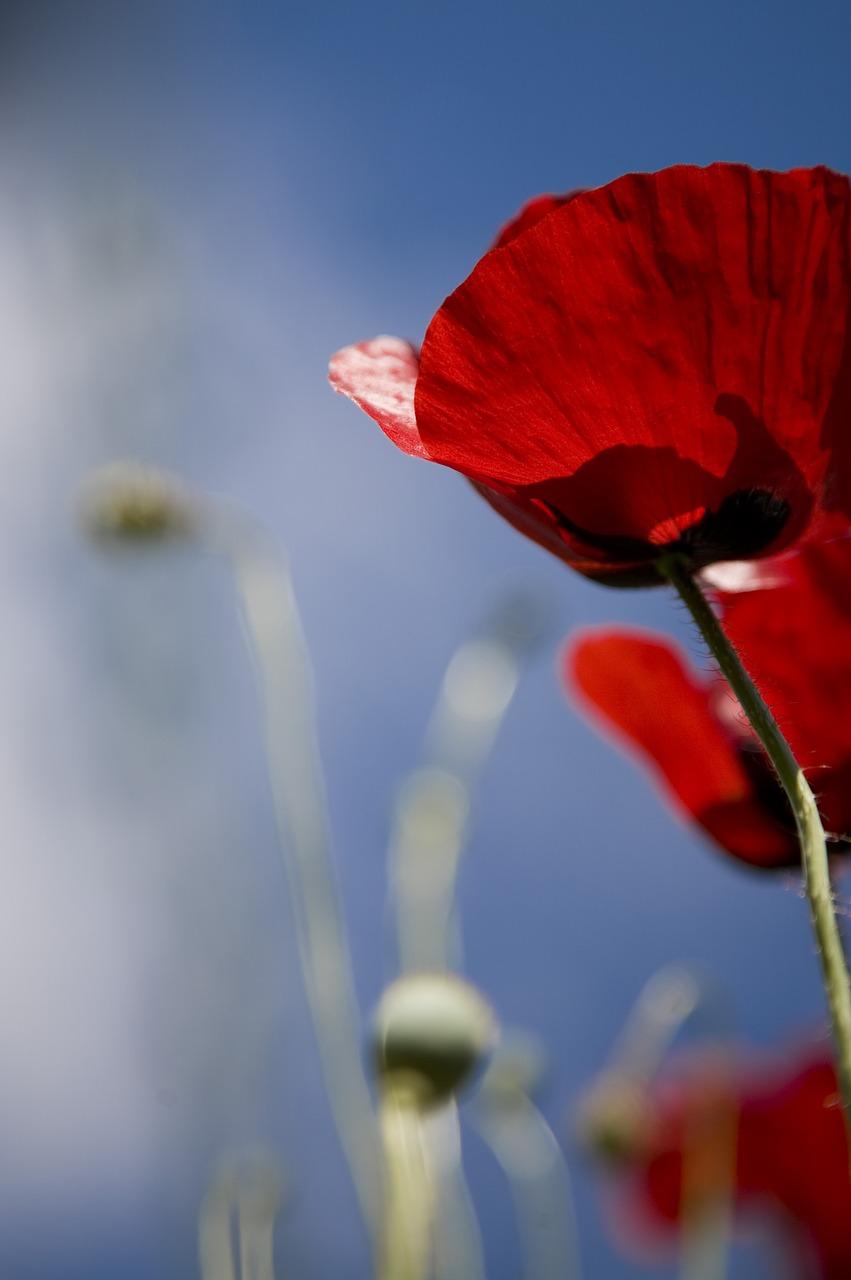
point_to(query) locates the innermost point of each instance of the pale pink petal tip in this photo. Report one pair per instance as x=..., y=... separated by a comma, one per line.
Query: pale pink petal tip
x=380, y=376
x=732, y=576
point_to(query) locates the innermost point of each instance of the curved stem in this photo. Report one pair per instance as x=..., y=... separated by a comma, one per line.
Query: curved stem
x=432, y=821
x=532, y=1161
x=834, y=967
x=285, y=685
x=666, y=1001
x=457, y=1238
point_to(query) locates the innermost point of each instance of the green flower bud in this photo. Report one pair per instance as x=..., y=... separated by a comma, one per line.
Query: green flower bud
x=432, y=1030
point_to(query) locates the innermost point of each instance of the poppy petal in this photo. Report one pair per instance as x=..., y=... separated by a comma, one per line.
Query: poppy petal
x=533, y=210
x=795, y=639
x=791, y=1164
x=539, y=523
x=643, y=691
x=380, y=376
x=698, y=316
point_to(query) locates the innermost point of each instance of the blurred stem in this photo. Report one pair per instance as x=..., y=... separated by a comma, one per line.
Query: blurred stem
x=707, y=1203
x=409, y=1212
x=834, y=967
x=255, y=1195
x=285, y=683
x=433, y=813
x=526, y=1148
x=425, y=851
x=710, y=1145
x=458, y=1240
x=257, y=1206
x=434, y=807
x=665, y=1002
x=215, y=1243
x=705, y=1245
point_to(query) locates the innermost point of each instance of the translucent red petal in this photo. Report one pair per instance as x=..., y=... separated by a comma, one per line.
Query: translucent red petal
x=686, y=332
x=644, y=693
x=791, y=1159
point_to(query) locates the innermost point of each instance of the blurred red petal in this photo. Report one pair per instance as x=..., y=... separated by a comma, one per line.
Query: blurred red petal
x=645, y=693
x=791, y=1165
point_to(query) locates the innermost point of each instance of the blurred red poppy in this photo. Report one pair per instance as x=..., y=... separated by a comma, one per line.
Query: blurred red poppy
x=660, y=364
x=795, y=638
x=774, y=1134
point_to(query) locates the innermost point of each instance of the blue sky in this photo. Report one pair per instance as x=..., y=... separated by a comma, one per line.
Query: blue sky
x=202, y=201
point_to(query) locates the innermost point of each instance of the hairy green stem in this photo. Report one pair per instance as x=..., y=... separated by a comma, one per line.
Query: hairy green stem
x=831, y=955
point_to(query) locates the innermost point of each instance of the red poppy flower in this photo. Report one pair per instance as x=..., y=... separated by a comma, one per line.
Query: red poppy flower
x=662, y=363
x=775, y=1133
x=795, y=638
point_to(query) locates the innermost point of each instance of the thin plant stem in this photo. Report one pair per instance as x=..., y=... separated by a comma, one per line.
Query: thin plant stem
x=254, y=1195
x=705, y=1246
x=409, y=1212
x=285, y=685
x=708, y=1183
x=817, y=883
x=426, y=847
x=532, y=1161
x=434, y=807
x=132, y=502
x=259, y=1199
x=433, y=812
x=457, y=1238
x=667, y=1000
x=215, y=1234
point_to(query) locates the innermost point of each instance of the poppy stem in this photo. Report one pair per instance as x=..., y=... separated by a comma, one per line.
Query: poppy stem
x=506, y=1117
x=285, y=685
x=409, y=1214
x=819, y=891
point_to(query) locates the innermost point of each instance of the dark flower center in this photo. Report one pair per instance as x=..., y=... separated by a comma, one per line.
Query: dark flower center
x=746, y=523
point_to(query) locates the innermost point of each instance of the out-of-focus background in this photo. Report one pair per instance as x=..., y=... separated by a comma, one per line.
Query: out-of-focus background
x=199, y=203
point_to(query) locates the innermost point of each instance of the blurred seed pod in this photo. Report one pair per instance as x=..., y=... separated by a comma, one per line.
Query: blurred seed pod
x=432, y=1032
x=132, y=502
x=614, y=1118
